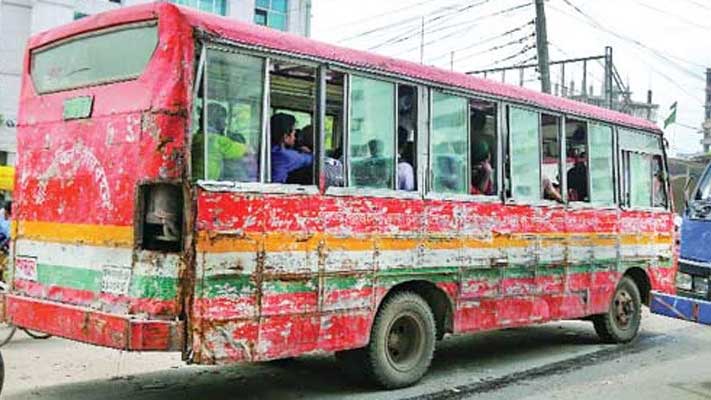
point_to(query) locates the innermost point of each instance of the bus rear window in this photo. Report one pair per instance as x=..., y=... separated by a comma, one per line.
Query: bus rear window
x=110, y=55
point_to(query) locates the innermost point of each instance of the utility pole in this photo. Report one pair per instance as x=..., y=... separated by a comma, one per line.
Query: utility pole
x=542, y=46
x=706, y=142
x=608, y=77
x=422, y=42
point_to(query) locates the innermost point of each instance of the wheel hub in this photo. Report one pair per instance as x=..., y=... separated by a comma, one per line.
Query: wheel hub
x=624, y=309
x=404, y=342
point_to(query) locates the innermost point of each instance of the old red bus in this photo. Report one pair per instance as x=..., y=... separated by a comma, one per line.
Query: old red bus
x=189, y=183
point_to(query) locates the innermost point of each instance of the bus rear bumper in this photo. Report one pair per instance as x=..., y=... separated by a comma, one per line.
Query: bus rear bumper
x=117, y=331
x=686, y=308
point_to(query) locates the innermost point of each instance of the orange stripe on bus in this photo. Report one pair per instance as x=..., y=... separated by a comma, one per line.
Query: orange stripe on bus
x=95, y=235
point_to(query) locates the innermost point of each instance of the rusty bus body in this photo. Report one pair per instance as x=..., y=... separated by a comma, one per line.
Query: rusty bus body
x=268, y=271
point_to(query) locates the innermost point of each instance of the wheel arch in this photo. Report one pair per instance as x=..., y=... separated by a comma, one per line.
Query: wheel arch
x=640, y=277
x=439, y=301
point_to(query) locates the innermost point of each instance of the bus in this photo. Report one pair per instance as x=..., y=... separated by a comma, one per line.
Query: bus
x=693, y=299
x=190, y=183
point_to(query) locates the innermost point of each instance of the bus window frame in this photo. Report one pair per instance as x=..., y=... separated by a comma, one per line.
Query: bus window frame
x=148, y=22
x=428, y=183
x=347, y=190
x=561, y=149
x=510, y=199
x=625, y=202
x=263, y=186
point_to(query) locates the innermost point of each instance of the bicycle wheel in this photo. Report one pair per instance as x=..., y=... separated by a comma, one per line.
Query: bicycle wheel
x=36, y=335
x=7, y=331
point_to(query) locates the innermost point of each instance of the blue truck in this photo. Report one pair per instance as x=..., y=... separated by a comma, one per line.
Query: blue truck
x=693, y=299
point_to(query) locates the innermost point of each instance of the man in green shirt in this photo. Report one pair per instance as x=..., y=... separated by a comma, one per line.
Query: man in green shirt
x=219, y=147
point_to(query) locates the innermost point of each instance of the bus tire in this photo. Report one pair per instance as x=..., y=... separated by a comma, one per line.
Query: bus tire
x=2, y=373
x=37, y=335
x=402, y=341
x=620, y=324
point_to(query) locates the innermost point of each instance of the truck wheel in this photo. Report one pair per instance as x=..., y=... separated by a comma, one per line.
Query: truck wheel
x=620, y=324
x=402, y=341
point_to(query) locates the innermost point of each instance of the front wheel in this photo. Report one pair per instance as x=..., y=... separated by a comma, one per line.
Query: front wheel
x=620, y=324
x=402, y=341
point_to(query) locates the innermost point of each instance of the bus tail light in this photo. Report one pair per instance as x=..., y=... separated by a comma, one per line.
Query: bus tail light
x=161, y=217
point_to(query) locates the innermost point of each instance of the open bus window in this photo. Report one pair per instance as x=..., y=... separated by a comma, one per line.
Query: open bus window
x=372, y=133
x=292, y=94
x=482, y=117
x=602, y=182
x=449, y=143
x=333, y=170
x=659, y=192
x=576, y=142
x=550, y=158
x=406, y=138
x=524, y=156
x=233, y=124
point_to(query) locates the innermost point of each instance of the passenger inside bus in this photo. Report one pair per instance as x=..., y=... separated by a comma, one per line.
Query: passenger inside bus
x=659, y=195
x=220, y=147
x=405, y=172
x=577, y=174
x=550, y=149
x=482, y=122
x=406, y=134
x=285, y=159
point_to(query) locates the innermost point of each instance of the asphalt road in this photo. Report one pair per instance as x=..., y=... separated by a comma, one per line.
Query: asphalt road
x=556, y=360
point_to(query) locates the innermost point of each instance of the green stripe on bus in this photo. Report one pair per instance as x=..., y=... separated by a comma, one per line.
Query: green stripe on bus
x=141, y=287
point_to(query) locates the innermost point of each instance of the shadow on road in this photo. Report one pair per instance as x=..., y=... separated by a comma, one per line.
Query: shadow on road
x=458, y=360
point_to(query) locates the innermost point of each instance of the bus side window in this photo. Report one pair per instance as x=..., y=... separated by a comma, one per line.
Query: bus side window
x=483, y=145
x=602, y=182
x=292, y=98
x=576, y=142
x=406, y=138
x=333, y=170
x=659, y=186
x=449, y=143
x=524, y=154
x=550, y=158
x=371, y=152
x=235, y=87
x=640, y=180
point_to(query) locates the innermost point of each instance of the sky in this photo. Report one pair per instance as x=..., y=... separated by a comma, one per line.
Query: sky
x=658, y=45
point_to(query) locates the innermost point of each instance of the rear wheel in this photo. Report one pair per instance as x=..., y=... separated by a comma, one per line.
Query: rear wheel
x=2, y=373
x=622, y=321
x=7, y=331
x=402, y=341
x=37, y=335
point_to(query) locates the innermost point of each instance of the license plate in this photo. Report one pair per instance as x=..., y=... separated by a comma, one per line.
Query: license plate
x=116, y=280
x=26, y=268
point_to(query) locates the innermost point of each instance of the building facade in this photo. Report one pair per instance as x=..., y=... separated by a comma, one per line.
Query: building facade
x=19, y=19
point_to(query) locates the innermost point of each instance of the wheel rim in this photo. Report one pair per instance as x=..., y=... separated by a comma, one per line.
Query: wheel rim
x=405, y=342
x=624, y=309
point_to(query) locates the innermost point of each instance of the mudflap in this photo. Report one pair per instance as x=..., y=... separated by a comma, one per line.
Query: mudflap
x=686, y=308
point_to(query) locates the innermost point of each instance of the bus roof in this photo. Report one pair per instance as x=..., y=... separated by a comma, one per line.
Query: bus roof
x=261, y=37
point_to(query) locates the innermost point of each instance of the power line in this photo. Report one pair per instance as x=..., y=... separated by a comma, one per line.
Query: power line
x=467, y=25
x=636, y=42
x=404, y=37
x=521, y=40
x=406, y=21
x=667, y=13
x=376, y=16
x=596, y=25
x=483, y=41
